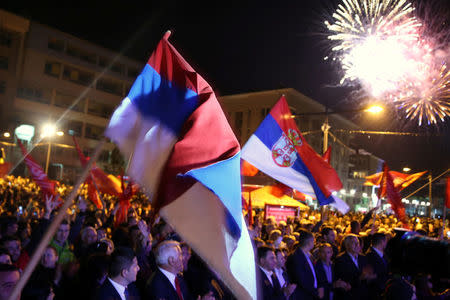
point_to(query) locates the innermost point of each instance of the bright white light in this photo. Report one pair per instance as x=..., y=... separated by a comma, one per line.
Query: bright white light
x=428, y=203
x=422, y=203
x=415, y=202
x=334, y=193
x=352, y=192
x=48, y=130
x=364, y=194
x=342, y=191
x=6, y=134
x=59, y=133
x=406, y=169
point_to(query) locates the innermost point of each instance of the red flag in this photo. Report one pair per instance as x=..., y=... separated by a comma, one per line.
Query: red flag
x=92, y=190
x=401, y=180
x=4, y=168
x=327, y=155
x=47, y=186
x=280, y=189
x=124, y=203
x=447, y=194
x=393, y=196
x=247, y=169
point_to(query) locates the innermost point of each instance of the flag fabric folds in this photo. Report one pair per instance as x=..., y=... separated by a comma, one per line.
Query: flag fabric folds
x=247, y=169
x=183, y=151
x=400, y=180
x=37, y=173
x=388, y=188
x=447, y=193
x=278, y=149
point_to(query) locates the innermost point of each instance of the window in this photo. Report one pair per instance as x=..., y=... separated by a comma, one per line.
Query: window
x=81, y=54
x=2, y=86
x=56, y=44
x=99, y=109
x=74, y=128
x=110, y=86
x=78, y=76
x=33, y=94
x=103, y=62
x=52, y=69
x=67, y=101
x=117, y=68
x=4, y=62
x=94, y=132
x=5, y=38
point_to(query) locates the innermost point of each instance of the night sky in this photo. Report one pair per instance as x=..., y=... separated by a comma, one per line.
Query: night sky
x=245, y=46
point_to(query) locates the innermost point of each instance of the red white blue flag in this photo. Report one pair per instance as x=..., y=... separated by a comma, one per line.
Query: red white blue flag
x=183, y=151
x=278, y=149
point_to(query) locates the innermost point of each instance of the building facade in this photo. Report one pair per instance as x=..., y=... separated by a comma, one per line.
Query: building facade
x=50, y=77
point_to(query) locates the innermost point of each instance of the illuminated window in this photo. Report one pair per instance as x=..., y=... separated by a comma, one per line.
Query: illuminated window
x=52, y=69
x=78, y=76
x=110, y=86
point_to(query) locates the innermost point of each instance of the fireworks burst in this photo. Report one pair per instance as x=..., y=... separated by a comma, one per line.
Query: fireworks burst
x=379, y=44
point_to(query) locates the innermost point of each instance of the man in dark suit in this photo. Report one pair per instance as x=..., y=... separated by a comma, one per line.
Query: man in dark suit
x=271, y=287
x=121, y=276
x=351, y=267
x=167, y=282
x=329, y=236
x=325, y=275
x=375, y=258
x=301, y=269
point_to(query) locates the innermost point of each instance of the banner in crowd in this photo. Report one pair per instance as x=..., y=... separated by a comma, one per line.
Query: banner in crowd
x=182, y=148
x=278, y=149
x=280, y=213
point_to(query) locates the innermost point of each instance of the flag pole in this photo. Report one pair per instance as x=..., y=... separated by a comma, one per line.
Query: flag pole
x=54, y=226
x=443, y=222
x=428, y=183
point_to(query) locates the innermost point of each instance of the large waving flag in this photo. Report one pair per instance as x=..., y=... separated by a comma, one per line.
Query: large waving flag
x=183, y=151
x=278, y=149
x=387, y=188
x=400, y=180
x=37, y=173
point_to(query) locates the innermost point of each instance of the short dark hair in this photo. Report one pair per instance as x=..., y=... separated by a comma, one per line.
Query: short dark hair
x=263, y=250
x=305, y=235
x=377, y=238
x=121, y=259
x=326, y=230
x=8, y=239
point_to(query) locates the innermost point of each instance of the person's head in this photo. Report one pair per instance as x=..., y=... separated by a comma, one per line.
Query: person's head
x=355, y=227
x=399, y=289
x=88, y=235
x=325, y=252
x=5, y=258
x=328, y=235
x=10, y=227
x=306, y=240
x=169, y=257
x=266, y=258
x=102, y=233
x=49, y=258
x=9, y=276
x=13, y=245
x=124, y=266
x=186, y=252
x=351, y=244
x=275, y=236
x=109, y=245
x=379, y=241
x=281, y=258
x=62, y=233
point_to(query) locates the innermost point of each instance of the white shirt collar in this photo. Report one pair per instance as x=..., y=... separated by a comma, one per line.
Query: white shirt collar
x=268, y=274
x=378, y=252
x=354, y=258
x=169, y=276
x=119, y=288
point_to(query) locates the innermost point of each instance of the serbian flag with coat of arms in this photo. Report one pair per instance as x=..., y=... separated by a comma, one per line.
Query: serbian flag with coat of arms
x=278, y=149
x=185, y=154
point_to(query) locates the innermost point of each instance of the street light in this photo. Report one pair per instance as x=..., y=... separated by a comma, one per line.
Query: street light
x=6, y=134
x=406, y=169
x=48, y=131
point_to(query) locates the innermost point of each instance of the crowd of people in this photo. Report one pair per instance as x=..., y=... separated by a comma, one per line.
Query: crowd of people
x=316, y=255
